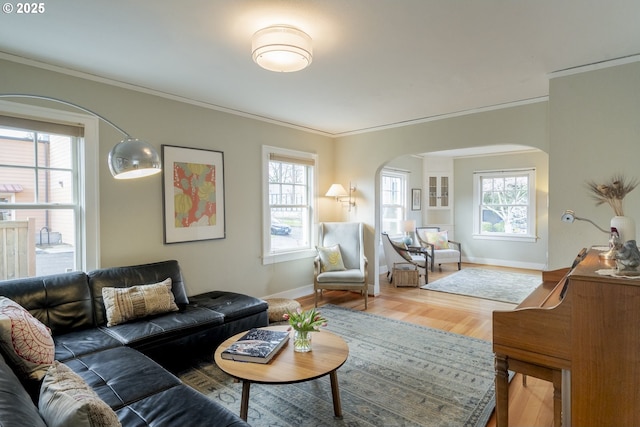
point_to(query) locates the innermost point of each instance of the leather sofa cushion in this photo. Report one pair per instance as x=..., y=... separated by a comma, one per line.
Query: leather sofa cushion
x=164, y=327
x=122, y=375
x=144, y=274
x=194, y=409
x=232, y=305
x=16, y=407
x=62, y=302
x=81, y=342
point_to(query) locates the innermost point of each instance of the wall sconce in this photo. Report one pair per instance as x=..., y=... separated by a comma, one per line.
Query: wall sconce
x=338, y=191
x=130, y=158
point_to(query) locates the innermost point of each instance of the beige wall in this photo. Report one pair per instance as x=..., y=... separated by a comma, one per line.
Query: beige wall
x=594, y=123
x=593, y=132
x=522, y=125
x=500, y=252
x=131, y=211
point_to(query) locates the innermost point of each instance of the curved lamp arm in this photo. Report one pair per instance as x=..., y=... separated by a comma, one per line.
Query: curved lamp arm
x=570, y=216
x=130, y=158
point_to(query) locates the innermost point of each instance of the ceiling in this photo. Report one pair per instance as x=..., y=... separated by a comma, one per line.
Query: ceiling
x=376, y=63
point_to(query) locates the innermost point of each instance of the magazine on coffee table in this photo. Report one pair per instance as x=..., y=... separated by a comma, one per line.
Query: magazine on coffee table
x=257, y=345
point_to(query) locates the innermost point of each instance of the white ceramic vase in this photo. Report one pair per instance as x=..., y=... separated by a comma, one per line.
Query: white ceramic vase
x=626, y=227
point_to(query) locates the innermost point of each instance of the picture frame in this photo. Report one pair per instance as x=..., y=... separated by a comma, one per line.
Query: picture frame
x=416, y=199
x=192, y=194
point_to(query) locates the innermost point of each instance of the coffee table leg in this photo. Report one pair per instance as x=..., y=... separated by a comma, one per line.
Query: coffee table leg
x=335, y=392
x=244, y=403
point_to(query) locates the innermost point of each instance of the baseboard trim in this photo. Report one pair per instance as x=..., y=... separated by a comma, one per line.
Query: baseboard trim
x=304, y=291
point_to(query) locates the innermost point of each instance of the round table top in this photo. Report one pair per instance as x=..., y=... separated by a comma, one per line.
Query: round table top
x=328, y=353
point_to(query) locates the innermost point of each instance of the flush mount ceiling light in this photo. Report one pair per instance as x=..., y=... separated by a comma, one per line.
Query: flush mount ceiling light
x=281, y=48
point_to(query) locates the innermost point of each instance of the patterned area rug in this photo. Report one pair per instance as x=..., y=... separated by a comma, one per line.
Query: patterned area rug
x=488, y=284
x=397, y=374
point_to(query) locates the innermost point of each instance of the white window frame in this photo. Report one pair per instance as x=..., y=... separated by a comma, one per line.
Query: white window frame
x=88, y=252
x=404, y=177
x=269, y=257
x=531, y=207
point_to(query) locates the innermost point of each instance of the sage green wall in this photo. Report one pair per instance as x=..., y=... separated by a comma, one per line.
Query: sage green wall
x=593, y=133
x=131, y=211
x=594, y=123
x=501, y=252
x=360, y=157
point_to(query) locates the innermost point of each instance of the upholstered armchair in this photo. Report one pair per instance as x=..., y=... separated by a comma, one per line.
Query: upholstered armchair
x=398, y=257
x=440, y=249
x=341, y=263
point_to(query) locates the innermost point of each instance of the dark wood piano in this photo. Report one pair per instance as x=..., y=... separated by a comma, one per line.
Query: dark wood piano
x=585, y=324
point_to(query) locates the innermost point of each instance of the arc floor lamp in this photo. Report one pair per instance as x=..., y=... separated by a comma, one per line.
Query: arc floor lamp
x=130, y=158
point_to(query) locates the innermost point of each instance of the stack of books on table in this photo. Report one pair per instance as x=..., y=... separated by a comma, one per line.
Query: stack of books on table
x=258, y=345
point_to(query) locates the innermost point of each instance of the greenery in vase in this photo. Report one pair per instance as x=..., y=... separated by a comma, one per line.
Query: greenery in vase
x=305, y=321
x=612, y=192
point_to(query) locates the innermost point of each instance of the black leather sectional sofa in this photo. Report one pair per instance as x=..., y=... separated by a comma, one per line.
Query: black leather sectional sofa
x=128, y=365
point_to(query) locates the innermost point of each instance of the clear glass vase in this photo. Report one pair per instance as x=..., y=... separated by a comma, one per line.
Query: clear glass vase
x=301, y=341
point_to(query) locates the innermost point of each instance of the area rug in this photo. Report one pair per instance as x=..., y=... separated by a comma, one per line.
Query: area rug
x=495, y=285
x=397, y=374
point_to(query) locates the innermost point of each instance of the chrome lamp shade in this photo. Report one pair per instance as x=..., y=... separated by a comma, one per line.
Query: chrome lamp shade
x=133, y=158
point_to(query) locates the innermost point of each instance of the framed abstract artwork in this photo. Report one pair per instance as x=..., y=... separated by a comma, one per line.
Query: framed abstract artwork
x=193, y=194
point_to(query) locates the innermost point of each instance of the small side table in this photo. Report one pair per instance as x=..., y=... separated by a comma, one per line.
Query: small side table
x=287, y=367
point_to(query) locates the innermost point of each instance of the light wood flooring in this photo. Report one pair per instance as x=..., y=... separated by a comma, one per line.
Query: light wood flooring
x=530, y=406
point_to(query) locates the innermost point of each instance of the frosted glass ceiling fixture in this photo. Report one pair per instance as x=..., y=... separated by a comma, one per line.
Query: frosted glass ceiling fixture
x=130, y=158
x=281, y=48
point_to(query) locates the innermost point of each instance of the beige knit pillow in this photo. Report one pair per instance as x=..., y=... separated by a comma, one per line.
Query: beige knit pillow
x=125, y=304
x=66, y=400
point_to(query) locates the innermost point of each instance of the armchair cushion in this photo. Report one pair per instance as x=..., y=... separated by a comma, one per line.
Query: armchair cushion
x=402, y=250
x=330, y=258
x=438, y=239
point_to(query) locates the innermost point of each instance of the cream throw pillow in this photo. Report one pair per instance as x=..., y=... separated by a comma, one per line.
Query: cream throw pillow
x=25, y=341
x=439, y=240
x=125, y=304
x=331, y=258
x=66, y=400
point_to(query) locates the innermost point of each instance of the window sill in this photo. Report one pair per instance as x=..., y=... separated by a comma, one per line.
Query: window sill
x=288, y=256
x=506, y=237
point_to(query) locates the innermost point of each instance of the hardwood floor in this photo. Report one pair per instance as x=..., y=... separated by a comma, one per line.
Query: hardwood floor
x=528, y=406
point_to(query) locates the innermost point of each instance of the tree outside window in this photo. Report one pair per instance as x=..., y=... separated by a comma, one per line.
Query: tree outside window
x=506, y=203
x=289, y=201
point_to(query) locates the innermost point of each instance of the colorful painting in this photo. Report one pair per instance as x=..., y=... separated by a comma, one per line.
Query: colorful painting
x=193, y=190
x=194, y=185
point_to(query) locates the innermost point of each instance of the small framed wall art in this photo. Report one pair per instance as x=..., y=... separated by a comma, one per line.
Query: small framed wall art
x=192, y=194
x=416, y=199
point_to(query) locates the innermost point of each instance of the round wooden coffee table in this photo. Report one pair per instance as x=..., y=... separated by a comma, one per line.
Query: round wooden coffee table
x=328, y=353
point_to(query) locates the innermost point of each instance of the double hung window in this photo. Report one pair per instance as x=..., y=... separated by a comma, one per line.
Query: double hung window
x=393, y=209
x=44, y=208
x=505, y=204
x=289, y=206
